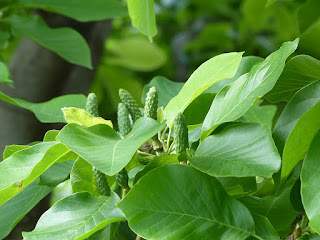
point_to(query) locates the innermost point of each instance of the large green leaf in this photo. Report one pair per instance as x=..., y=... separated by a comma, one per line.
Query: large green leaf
x=310, y=188
x=81, y=10
x=101, y=146
x=215, y=69
x=25, y=166
x=66, y=42
x=235, y=99
x=297, y=125
x=241, y=150
x=166, y=90
x=14, y=210
x=135, y=53
x=179, y=202
x=76, y=217
x=82, y=178
x=298, y=72
x=50, y=111
x=276, y=208
x=143, y=17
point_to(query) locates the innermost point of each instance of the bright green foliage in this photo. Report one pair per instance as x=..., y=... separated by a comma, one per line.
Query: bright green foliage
x=310, y=189
x=218, y=68
x=124, y=122
x=74, y=48
x=130, y=103
x=235, y=99
x=92, y=105
x=244, y=145
x=4, y=74
x=142, y=15
x=180, y=130
x=122, y=178
x=106, y=150
x=101, y=182
x=176, y=199
x=151, y=105
x=86, y=215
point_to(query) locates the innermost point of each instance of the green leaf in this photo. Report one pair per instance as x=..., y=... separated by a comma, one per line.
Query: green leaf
x=310, y=184
x=65, y=42
x=262, y=114
x=57, y=173
x=4, y=38
x=9, y=150
x=51, y=136
x=166, y=90
x=4, y=74
x=107, y=233
x=50, y=111
x=241, y=150
x=143, y=17
x=297, y=125
x=14, y=210
x=276, y=208
x=135, y=53
x=82, y=117
x=264, y=228
x=183, y=203
x=298, y=72
x=235, y=99
x=101, y=146
x=76, y=217
x=80, y=10
x=82, y=178
x=238, y=186
x=215, y=69
x=25, y=166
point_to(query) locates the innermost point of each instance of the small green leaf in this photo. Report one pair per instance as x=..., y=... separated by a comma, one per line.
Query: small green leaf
x=25, y=166
x=166, y=90
x=298, y=72
x=14, y=210
x=106, y=233
x=9, y=150
x=80, y=10
x=296, y=127
x=143, y=17
x=238, y=186
x=235, y=99
x=82, y=178
x=51, y=136
x=4, y=74
x=310, y=176
x=215, y=69
x=277, y=209
x=135, y=53
x=183, y=203
x=66, y=42
x=82, y=117
x=241, y=150
x=101, y=146
x=57, y=173
x=50, y=111
x=264, y=228
x=76, y=217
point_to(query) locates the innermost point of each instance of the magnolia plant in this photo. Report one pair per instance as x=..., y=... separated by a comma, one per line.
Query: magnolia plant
x=212, y=158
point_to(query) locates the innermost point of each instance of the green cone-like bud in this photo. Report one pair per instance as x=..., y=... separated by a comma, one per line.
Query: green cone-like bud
x=151, y=106
x=92, y=105
x=124, y=122
x=180, y=133
x=122, y=178
x=130, y=103
x=101, y=182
